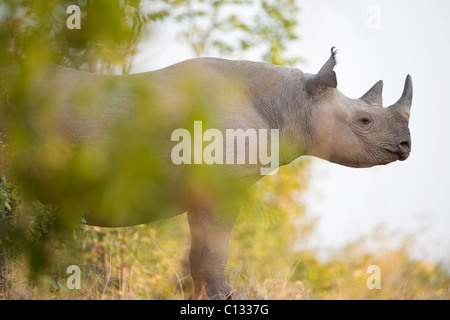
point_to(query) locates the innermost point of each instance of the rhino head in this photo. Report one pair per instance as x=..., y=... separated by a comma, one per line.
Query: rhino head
x=356, y=132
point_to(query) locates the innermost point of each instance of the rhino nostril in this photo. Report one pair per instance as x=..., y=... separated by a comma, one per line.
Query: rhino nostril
x=405, y=144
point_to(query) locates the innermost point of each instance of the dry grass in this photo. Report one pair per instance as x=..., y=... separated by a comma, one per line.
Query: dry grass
x=148, y=263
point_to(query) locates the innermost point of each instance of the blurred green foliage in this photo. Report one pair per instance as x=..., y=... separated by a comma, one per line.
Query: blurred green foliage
x=35, y=32
x=235, y=27
x=39, y=240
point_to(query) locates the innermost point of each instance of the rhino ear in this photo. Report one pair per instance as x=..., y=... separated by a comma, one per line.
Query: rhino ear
x=374, y=95
x=325, y=78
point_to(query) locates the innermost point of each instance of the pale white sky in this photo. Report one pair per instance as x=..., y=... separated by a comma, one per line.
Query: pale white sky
x=376, y=39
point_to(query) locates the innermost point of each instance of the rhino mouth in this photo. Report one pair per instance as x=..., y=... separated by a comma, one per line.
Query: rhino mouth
x=397, y=154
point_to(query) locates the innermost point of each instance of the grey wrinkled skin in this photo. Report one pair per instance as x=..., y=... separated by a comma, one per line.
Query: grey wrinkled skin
x=313, y=116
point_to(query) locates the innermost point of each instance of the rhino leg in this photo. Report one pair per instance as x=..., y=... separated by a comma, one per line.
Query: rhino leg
x=210, y=238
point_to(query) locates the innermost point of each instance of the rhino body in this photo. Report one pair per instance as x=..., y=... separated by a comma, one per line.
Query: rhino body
x=312, y=116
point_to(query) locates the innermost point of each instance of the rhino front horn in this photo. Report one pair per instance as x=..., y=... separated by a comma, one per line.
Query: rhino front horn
x=403, y=105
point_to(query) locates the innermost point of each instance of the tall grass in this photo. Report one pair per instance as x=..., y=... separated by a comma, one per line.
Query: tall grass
x=150, y=262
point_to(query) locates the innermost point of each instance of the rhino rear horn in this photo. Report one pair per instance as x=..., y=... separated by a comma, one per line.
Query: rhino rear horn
x=325, y=78
x=374, y=95
x=403, y=105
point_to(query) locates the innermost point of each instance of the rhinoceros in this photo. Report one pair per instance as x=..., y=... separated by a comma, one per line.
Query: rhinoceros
x=312, y=117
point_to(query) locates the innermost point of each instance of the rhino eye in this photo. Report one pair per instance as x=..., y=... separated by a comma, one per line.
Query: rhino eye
x=365, y=120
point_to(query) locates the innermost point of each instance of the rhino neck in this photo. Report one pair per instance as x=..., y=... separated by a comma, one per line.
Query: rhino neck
x=279, y=96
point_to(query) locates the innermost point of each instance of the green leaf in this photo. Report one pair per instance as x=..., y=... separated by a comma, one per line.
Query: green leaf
x=15, y=194
x=61, y=285
x=51, y=282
